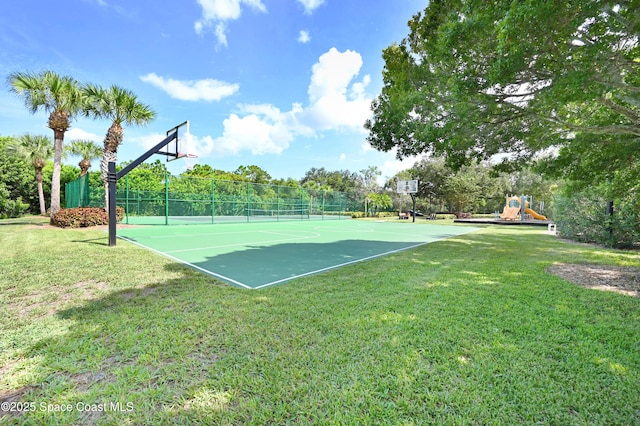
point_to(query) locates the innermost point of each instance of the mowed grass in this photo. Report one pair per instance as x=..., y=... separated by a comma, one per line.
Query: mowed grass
x=469, y=330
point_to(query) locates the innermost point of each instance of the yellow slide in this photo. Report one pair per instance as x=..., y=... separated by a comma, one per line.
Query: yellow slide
x=510, y=213
x=534, y=214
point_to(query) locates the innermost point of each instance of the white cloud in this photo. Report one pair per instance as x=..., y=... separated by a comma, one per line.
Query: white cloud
x=202, y=147
x=216, y=12
x=366, y=147
x=264, y=129
x=333, y=104
x=77, y=133
x=393, y=166
x=192, y=90
x=253, y=133
x=310, y=5
x=304, y=37
x=343, y=156
x=333, y=72
x=147, y=141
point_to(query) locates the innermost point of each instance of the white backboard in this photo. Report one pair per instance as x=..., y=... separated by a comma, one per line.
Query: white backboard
x=407, y=186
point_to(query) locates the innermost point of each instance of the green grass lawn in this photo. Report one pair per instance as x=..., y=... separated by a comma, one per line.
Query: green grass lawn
x=469, y=330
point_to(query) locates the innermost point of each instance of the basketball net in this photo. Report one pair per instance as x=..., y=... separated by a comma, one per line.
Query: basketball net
x=190, y=159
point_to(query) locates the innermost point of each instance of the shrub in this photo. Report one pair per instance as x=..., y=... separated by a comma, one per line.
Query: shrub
x=12, y=208
x=583, y=217
x=81, y=217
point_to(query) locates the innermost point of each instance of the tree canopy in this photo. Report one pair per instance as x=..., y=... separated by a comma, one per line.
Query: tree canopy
x=474, y=79
x=60, y=96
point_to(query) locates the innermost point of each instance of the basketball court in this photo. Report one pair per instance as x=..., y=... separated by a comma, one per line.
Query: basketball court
x=259, y=255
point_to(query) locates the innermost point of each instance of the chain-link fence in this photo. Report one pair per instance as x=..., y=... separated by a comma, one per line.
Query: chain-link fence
x=183, y=200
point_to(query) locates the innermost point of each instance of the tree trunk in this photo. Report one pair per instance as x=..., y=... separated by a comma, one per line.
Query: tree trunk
x=107, y=156
x=43, y=207
x=112, y=141
x=57, y=167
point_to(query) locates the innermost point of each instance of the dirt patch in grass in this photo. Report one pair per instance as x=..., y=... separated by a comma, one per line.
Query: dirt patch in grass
x=619, y=279
x=138, y=292
x=42, y=303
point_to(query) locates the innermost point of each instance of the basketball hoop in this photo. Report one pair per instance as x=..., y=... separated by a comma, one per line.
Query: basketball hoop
x=409, y=187
x=190, y=160
x=182, y=156
x=182, y=147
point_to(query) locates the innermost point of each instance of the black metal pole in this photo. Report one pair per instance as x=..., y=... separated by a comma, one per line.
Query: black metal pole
x=112, y=179
x=413, y=197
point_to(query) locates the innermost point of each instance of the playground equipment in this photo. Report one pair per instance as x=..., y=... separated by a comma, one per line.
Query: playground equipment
x=513, y=210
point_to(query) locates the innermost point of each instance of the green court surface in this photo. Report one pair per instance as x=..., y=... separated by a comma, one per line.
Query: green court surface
x=258, y=255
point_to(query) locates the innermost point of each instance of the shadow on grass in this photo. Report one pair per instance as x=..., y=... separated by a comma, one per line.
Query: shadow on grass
x=37, y=220
x=103, y=241
x=369, y=342
x=137, y=346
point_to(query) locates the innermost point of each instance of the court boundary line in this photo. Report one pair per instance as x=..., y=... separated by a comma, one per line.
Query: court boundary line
x=293, y=238
x=283, y=280
x=206, y=271
x=364, y=259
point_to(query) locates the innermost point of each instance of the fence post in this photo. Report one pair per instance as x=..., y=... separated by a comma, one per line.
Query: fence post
x=166, y=198
x=213, y=199
x=277, y=203
x=126, y=197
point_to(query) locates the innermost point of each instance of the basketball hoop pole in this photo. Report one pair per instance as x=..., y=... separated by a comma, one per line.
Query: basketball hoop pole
x=114, y=177
x=413, y=197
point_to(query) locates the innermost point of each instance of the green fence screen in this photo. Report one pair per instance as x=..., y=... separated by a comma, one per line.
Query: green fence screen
x=167, y=199
x=77, y=192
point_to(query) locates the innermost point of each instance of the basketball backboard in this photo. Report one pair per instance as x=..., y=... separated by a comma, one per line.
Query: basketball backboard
x=407, y=186
x=178, y=147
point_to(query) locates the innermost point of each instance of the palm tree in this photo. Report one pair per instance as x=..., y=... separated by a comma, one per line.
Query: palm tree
x=61, y=97
x=86, y=149
x=37, y=150
x=120, y=106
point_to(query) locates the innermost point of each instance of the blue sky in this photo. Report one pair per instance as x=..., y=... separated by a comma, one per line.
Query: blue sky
x=282, y=84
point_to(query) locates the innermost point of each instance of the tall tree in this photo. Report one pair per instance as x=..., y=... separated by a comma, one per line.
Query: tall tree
x=37, y=150
x=121, y=106
x=368, y=178
x=18, y=189
x=476, y=78
x=87, y=150
x=61, y=97
x=254, y=174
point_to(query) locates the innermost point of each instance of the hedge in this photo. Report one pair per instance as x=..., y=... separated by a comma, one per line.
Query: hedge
x=81, y=217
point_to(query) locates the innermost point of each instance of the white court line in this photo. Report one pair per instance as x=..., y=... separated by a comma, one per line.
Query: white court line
x=206, y=271
x=356, y=261
x=338, y=266
x=336, y=229
x=201, y=234
x=313, y=234
x=231, y=280
x=294, y=238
